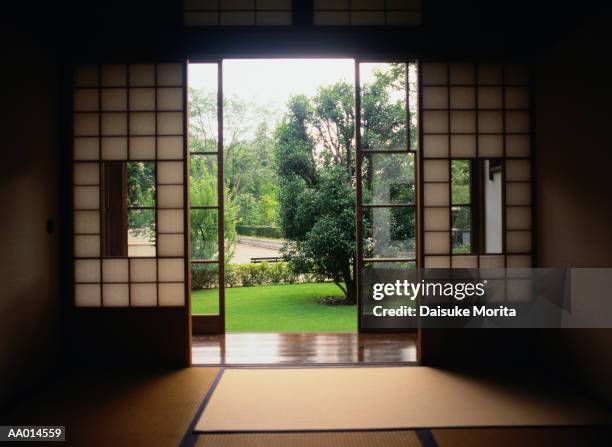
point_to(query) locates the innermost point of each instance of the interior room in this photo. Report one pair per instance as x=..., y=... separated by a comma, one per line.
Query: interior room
x=202, y=195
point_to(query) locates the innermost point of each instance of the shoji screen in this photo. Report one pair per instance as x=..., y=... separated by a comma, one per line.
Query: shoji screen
x=129, y=113
x=367, y=12
x=472, y=111
x=237, y=12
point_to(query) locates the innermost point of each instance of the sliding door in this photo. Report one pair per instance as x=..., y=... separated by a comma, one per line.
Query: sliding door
x=385, y=171
x=206, y=197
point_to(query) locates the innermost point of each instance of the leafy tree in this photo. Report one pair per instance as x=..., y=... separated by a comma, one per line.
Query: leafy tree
x=314, y=161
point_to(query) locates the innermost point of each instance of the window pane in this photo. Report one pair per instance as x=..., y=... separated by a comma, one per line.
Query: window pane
x=461, y=229
x=388, y=179
x=203, y=180
x=204, y=236
x=141, y=232
x=204, y=289
x=141, y=183
x=383, y=106
x=389, y=232
x=461, y=175
x=203, y=123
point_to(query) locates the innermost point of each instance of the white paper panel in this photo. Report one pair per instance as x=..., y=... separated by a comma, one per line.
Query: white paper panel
x=273, y=18
x=490, y=98
x=115, y=270
x=463, y=97
x=170, y=245
x=435, y=146
x=517, y=98
x=490, y=122
x=114, y=99
x=463, y=122
x=518, y=218
x=86, y=100
x=86, y=124
x=331, y=18
x=116, y=295
x=171, y=270
x=461, y=74
x=435, y=122
x=518, y=170
x=143, y=270
x=142, y=99
x=170, y=123
x=435, y=170
x=463, y=146
x=142, y=148
x=114, y=148
x=143, y=295
x=86, y=197
x=368, y=18
x=518, y=193
x=437, y=243
x=519, y=290
x=170, y=148
x=519, y=261
x=517, y=122
x=86, y=76
x=518, y=241
x=87, y=295
x=169, y=172
x=170, y=99
x=489, y=74
x=436, y=194
x=114, y=75
x=170, y=196
x=435, y=97
x=87, y=270
x=114, y=123
x=171, y=294
x=278, y=5
x=86, y=246
x=437, y=262
x=436, y=219
x=518, y=146
x=170, y=74
x=86, y=174
x=170, y=221
x=86, y=222
x=86, y=148
x=491, y=262
x=142, y=75
x=490, y=146
x=434, y=73
x=464, y=262
x=142, y=123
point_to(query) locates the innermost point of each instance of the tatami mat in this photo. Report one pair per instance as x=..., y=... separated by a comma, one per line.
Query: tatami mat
x=286, y=399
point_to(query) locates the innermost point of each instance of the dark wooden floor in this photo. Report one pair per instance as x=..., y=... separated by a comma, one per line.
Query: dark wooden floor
x=303, y=348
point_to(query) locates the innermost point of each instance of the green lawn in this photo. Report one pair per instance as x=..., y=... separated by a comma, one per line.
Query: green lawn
x=281, y=308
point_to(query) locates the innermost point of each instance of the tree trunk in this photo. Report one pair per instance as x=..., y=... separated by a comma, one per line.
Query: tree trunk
x=349, y=282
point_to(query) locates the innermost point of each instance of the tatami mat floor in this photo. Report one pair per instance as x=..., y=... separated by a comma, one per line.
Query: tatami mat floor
x=155, y=408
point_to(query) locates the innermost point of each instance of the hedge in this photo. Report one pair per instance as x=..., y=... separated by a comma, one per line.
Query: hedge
x=245, y=275
x=259, y=230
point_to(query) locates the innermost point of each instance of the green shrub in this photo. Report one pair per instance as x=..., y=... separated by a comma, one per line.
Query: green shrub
x=247, y=275
x=259, y=230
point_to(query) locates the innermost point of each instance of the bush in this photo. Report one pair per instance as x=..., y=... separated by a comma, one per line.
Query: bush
x=259, y=230
x=246, y=275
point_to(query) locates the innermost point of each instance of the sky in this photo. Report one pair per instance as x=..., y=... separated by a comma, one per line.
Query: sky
x=268, y=83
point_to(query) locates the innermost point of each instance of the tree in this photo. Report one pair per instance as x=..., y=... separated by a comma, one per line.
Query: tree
x=315, y=164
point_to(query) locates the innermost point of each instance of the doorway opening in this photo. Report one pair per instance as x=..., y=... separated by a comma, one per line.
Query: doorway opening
x=302, y=174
